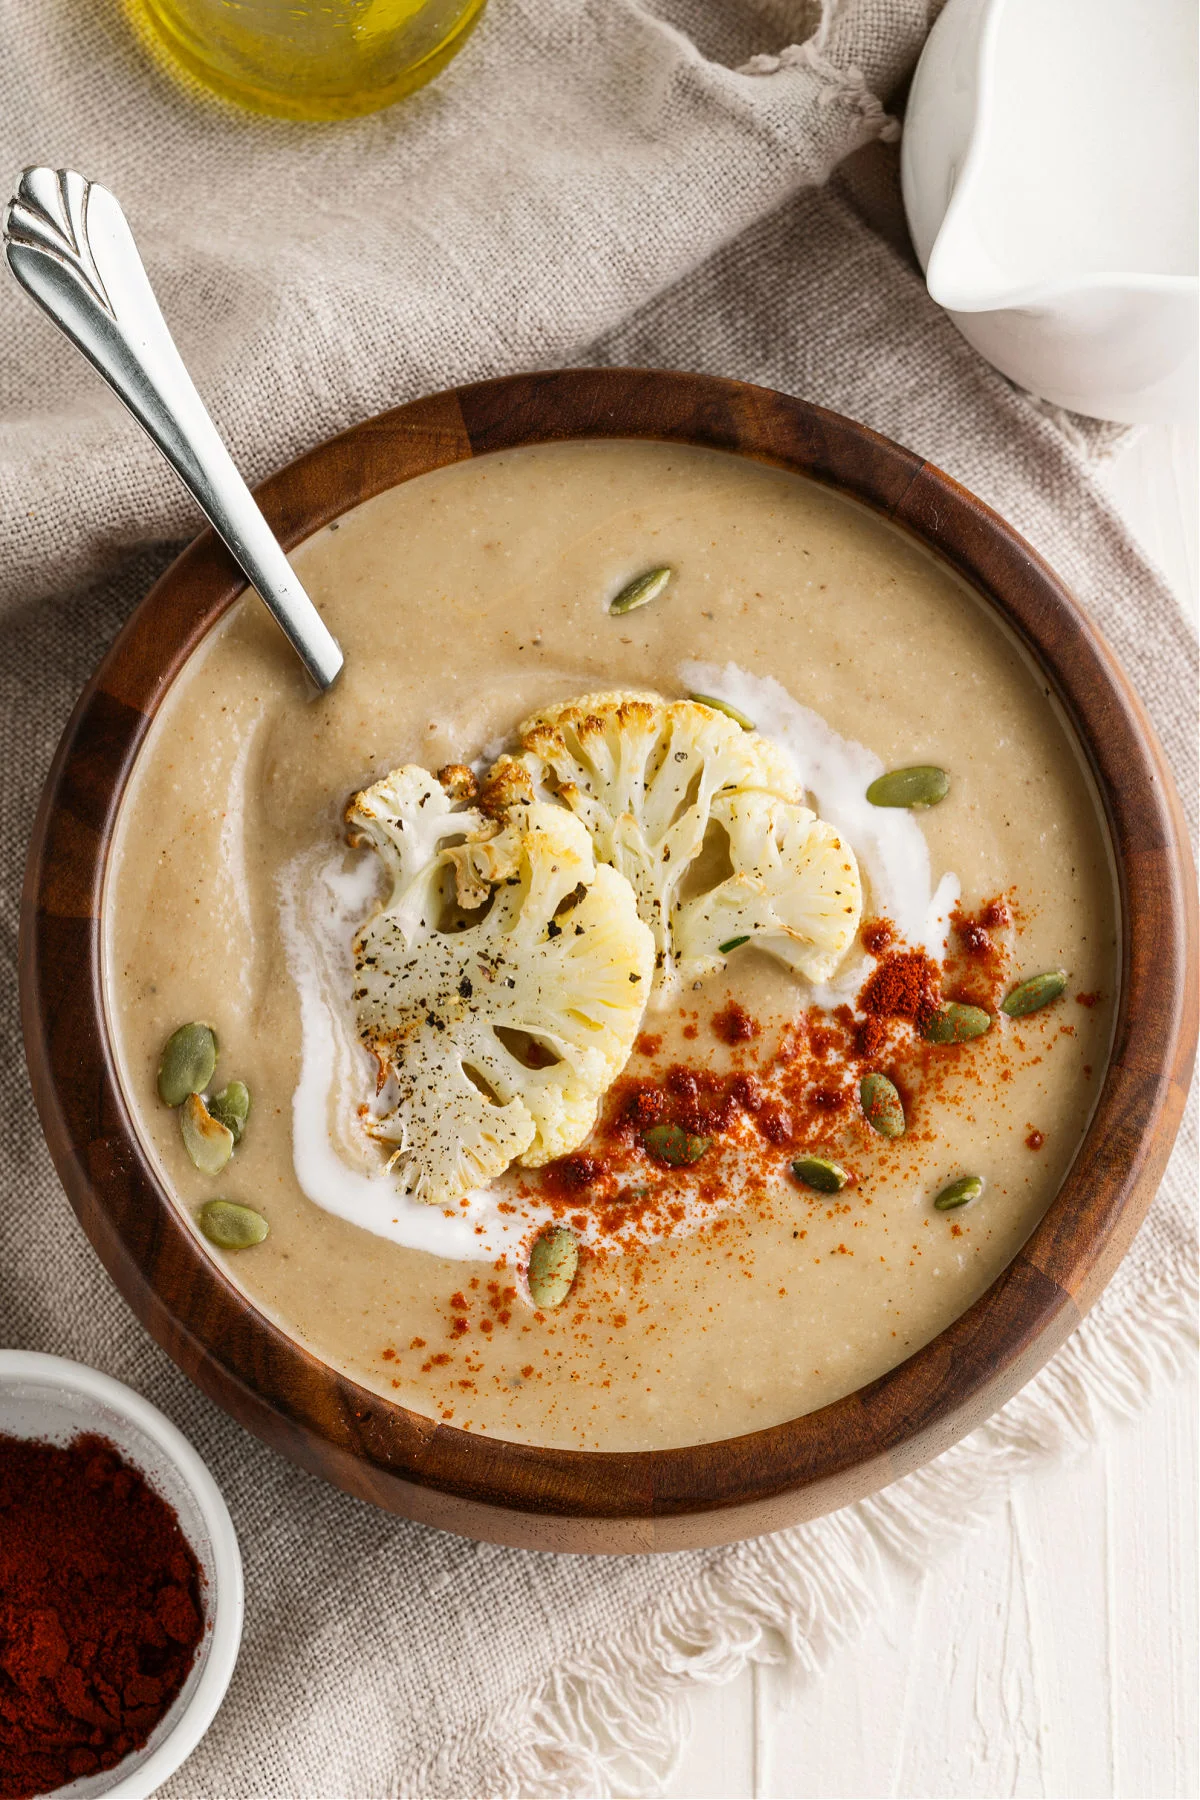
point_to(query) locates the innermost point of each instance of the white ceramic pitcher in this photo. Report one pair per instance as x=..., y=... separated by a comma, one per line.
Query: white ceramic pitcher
x=1049, y=173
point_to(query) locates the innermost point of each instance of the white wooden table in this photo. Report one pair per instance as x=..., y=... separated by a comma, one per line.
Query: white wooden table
x=1055, y=1653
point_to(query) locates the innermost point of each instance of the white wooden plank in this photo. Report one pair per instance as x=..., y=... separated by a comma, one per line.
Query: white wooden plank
x=720, y=1744
x=1062, y=1523
x=1153, y=483
x=1152, y=1474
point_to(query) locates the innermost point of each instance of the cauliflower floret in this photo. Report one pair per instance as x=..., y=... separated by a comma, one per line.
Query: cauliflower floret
x=411, y=819
x=499, y=986
x=642, y=774
x=795, y=891
x=661, y=785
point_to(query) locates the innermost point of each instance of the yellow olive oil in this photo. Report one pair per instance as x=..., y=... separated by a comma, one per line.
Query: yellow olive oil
x=306, y=59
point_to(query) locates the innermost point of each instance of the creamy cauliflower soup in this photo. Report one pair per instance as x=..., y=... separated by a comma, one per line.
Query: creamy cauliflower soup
x=657, y=989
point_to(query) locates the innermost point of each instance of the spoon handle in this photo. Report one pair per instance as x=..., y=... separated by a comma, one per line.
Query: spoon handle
x=69, y=245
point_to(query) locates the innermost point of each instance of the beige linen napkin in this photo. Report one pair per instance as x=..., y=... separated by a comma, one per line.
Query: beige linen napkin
x=591, y=180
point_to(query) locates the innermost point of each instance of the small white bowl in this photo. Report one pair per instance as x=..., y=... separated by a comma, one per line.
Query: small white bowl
x=50, y=1398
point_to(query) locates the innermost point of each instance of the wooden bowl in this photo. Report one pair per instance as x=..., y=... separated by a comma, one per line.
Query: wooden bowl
x=579, y=1500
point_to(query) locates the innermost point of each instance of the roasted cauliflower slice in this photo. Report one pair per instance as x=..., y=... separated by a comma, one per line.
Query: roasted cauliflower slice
x=499, y=985
x=795, y=891
x=642, y=774
x=660, y=785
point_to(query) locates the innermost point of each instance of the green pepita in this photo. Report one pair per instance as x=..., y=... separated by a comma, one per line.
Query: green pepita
x=232, y=1108
x=733, y=944
x=820, y=1173
x=672, y=1144
x=206, y=1140
x=954, y=1023
x=231, y=1226
x=723, y=706
x=188, y=1060
x=882, y=1106
x=959, y=1193
x=1030, y=996
x=553, y=1263
x=640, y=591
x=923, y=785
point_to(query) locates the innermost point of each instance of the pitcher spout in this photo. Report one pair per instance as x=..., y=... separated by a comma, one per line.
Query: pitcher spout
x=962, y=274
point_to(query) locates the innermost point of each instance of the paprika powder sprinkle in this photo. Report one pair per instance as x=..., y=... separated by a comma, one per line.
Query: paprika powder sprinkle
x=903, y=986
x=733, y=1024
x=100, y=1611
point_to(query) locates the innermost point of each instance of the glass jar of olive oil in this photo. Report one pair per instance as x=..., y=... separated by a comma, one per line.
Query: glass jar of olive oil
x=308, y=59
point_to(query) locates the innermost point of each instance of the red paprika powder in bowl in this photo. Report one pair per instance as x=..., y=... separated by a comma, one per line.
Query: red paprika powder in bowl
x=120, y=1586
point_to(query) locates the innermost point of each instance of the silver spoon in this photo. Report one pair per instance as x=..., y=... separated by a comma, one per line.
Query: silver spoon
x=69, y=245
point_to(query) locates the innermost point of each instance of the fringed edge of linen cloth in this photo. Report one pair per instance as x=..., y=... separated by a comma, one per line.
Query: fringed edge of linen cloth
x=847, y=86
x=611, y=1720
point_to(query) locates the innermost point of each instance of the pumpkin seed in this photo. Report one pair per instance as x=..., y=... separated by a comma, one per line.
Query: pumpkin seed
x=882, y=1106
x=1030, y=996
x=553, y=1263
x=954, y=1023
x=958, y=1193
x=723, y=706
x=231, y=1226
x=206, y=1140
x=640, y=591
x=672, y=1144
x=733, y=944
x=188, y=1060
x=232, y=1108
x=923, y=785
x=819, y=1173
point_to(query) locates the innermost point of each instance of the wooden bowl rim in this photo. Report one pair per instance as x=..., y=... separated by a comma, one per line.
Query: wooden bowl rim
x=925, y=1402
